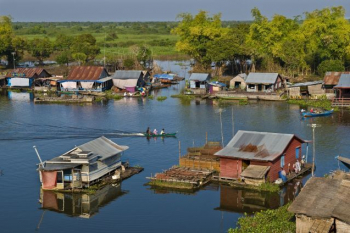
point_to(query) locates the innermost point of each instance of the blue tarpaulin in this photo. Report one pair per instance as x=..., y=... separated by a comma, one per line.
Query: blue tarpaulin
x=164, y=76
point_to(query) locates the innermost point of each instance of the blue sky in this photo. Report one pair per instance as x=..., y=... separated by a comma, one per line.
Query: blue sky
x=154, y=10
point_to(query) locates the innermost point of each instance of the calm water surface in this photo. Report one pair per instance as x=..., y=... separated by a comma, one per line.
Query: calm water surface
x=133, y=207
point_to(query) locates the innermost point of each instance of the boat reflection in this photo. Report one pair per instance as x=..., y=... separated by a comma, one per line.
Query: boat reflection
x=250, y=201
x=79, y=204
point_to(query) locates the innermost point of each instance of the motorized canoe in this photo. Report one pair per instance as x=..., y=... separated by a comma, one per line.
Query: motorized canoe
x=316, y=114
x=160, y=135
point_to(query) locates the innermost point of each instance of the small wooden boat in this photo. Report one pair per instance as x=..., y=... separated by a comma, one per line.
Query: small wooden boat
x=316, y=114
x=160, y=135
x=344, y=160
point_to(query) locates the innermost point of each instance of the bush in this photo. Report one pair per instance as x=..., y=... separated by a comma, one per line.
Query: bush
x=278, y=220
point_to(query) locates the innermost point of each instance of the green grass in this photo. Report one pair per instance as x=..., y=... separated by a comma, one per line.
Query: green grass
x=161, y=98
x=319, y=103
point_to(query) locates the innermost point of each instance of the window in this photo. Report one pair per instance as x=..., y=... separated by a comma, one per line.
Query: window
x=282, y=160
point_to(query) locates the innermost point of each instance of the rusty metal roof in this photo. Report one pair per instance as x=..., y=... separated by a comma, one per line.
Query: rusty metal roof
x=332, y=78
x=87, y=73
x=28, y=72
x=251, y=145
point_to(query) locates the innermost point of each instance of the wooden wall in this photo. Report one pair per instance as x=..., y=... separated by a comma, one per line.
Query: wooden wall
x=230, y=168
x=200, y=164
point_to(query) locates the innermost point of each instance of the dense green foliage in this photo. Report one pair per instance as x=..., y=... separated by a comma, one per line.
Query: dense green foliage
x=322, y=103
x=330, y=65
x=269, y=221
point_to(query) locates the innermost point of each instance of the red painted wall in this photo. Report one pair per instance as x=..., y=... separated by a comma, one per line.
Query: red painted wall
x=230, y=168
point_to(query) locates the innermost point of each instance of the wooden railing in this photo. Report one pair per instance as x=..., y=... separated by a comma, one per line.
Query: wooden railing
x=341, y=102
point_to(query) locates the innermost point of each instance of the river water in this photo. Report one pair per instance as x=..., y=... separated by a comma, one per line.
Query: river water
x=132, y=206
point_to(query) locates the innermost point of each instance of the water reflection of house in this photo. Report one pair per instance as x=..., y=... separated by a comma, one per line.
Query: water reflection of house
x=83, y=205
x=261, y=154
x=199, y=83
x=24, y=77
x=323, y=206
x=21, y=96
x=87, y=78
x=81, y=166
x=130, y=79
x=264, y=82
x=249, y=201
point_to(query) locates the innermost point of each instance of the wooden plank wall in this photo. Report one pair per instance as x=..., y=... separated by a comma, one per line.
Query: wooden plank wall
x=200, y=164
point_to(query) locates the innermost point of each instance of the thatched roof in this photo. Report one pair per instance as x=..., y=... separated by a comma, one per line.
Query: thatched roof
x=324, y=198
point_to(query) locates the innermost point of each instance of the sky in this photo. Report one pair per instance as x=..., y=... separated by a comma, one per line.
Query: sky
x=154, y=10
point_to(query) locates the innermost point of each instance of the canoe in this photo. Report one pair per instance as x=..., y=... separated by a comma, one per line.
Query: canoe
x=314, y=114
x=160, y=135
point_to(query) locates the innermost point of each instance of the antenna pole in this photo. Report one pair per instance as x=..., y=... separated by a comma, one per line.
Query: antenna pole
x=37, y=153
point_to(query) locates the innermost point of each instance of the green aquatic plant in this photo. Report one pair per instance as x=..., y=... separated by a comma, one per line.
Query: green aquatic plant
x=319, y=103
x=161, y=98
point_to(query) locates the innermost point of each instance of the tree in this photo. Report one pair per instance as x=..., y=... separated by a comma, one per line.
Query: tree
x=6, y=36
x=143, y=55
x=79, y=57
x=326, y=34
x=85, y=43
x=111, y=36
x=64, y=57
x=40, y=48
x=330, y=65
x=196, y=33
x=63, y=42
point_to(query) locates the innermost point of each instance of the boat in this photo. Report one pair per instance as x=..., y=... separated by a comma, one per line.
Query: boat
x=160, y=135
x=316, y=114
x=344, y=160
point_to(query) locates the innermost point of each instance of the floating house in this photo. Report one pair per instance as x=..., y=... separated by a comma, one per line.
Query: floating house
x=342, y=92
x=215, y=87
x=87, y=78
x=82, y=165
x=306, y=89
x=238, y=82
x=24, y=77
x=267, y=82
x=258, y=157
x=331, y=79
x=199, y=83
x=322, y=205
x=129, y=80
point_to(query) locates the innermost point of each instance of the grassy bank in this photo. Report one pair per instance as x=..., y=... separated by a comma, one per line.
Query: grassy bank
x=320, y=103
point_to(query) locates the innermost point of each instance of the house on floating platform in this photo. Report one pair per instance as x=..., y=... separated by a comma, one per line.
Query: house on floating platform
x=199, y=83
x=215, y=87
x=331, y=79
x=342, y=92
x=130, y=80
x=238, y=82
x=24, y=77
x=266, y=82
x=257, y=157
x=323, y=206
x=83, y=205
x=298, y=90
x=87, y=78
x=82, y=165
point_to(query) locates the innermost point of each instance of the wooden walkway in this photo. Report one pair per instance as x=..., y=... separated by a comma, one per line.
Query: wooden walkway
x=307, y=167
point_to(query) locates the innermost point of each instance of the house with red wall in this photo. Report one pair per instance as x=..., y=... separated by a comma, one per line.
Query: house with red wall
x=260, y=155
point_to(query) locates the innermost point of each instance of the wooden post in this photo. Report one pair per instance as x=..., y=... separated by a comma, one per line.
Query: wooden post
x=233, y=125
x=206, y=137
x=179, y=152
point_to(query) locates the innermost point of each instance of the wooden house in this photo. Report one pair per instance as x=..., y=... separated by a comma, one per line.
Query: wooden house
x=86, y=78
x=24, y=77
x=82, y=165
x=331, y=79
x=306, y=89
x=130, y=80
x=257, y=157
x=199, y=83
x=215, y=87
x=238, y=82
x=342, y=89
x=322, y=205
x=267, y=82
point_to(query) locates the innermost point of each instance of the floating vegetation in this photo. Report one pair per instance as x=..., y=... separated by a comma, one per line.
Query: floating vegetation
x=161, y=98
x=151, y=97
x=243, y=102
x=320, y=103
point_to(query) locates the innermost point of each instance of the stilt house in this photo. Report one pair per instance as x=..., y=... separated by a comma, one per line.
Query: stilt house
x=129, y=80
x=257, y=157
x=24, y=77
x=82, y=165
x=264, y=82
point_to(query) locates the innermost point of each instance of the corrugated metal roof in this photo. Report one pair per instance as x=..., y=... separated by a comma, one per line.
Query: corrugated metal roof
x=28, y=72
x=323, y=198
x=199, y=77
x=344, y=81
x=58, y=166
x=103, y=147
x=243, y=75
x=104, y=79
x=253, y=145
x=332, y=78
x=307, y=84
x=127, y=74
x=87, y=73
x=269, y=78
